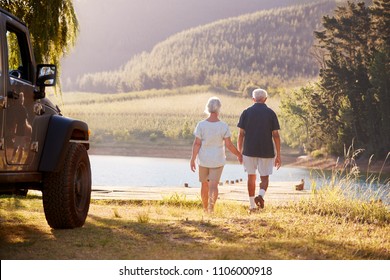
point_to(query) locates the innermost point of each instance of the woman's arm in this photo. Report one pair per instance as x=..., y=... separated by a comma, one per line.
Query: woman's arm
x=233, y=149
x=195, y=150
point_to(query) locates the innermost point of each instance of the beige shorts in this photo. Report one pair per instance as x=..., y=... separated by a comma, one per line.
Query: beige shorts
x=210, y=174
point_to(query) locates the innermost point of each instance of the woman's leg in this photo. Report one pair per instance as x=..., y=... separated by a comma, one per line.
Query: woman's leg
x=204, y=193
x=213, y=195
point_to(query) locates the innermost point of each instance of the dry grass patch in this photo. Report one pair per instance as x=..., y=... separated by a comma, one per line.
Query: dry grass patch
x=166, y=230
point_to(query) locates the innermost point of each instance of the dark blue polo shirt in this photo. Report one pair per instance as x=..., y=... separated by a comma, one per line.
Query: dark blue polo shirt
x=258, y=121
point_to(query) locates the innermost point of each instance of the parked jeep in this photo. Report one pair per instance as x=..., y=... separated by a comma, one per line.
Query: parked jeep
x=39, y=148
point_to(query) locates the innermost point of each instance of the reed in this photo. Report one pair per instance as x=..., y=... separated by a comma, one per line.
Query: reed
x=143, y=217
x=344, y=195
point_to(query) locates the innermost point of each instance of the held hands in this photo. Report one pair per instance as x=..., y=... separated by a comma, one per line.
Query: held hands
x=239, y=158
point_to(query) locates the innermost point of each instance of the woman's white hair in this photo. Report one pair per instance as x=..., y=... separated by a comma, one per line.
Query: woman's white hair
x=259, y=94
x=213, y=105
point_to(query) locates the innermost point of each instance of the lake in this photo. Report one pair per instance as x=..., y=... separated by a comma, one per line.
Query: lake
x=120, y=171
x=109, y=172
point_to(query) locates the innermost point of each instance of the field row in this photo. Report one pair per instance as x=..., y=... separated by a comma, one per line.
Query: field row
x=150, y=115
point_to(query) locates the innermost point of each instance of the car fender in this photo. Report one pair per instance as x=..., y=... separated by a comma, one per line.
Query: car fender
x=61, y=131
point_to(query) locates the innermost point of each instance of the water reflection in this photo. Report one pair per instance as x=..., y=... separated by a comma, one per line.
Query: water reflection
x=111, y=171
x=20, y=128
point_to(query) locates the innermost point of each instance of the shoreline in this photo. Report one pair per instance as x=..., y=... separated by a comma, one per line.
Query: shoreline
x=289, y=159
x=277, y=194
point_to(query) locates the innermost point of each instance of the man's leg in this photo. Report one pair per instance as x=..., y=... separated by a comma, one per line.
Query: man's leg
x=259, y=200
x=264, y=183
x=265, y=167
x=250, y=165
x=252, y=190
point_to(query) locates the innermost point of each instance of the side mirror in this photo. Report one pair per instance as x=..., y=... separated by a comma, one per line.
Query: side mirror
x=46, y=75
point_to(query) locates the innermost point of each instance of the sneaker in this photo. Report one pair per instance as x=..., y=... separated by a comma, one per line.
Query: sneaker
x=259, y=201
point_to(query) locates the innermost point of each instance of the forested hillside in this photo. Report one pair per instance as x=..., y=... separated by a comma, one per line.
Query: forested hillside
x=112, y=32
x=266, y=47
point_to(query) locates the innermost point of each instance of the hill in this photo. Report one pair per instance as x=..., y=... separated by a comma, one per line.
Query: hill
x=112, y=32
x=267, y=47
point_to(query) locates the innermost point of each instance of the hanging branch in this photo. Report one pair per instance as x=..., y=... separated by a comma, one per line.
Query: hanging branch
x=53, y=26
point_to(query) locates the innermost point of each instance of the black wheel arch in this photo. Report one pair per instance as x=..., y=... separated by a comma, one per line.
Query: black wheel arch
x=61, y=131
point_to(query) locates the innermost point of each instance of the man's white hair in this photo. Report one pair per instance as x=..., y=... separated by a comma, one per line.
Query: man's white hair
x=259, y=94
x=213, y=105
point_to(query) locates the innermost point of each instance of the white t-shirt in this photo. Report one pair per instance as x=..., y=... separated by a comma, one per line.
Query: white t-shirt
x=212, y=150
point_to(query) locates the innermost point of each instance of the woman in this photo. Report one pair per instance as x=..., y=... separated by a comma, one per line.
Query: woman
x=210, y=136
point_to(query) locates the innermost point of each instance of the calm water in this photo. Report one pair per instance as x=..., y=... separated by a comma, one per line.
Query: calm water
x=109, y=172
x=117, y=171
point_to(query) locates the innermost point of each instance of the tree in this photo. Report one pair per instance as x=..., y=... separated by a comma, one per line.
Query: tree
x=350, y=105
x=295, y=116
x=307, y=116
x=380, y=72
x=53, y=26
x=355, y=59
x=345, y=73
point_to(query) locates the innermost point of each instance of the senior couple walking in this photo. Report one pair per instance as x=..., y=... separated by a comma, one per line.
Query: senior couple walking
x=258, y=149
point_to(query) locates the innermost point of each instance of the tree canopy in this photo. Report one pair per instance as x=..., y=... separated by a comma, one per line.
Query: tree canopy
x=53, y=26
x=351, y=101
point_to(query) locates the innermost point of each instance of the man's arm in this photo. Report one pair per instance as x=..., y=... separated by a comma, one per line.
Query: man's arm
x=276, y=138
x=240, y=140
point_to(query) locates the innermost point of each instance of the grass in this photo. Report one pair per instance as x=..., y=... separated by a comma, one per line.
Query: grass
x=177, y=228
x=336, y=222
x=347, y=197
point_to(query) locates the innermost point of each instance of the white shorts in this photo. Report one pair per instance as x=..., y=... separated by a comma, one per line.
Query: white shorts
x=263, y=165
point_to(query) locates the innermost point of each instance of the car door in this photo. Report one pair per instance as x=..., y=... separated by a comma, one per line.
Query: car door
x=19, y=114
x=3, y=102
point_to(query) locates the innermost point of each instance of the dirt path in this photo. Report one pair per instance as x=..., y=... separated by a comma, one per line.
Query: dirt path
x=278, y=192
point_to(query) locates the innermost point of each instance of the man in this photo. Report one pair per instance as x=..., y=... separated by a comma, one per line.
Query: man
x=258, y=140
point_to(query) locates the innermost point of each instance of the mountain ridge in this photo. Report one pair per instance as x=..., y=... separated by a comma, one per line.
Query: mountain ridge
x=112, y=32
x=256, y=47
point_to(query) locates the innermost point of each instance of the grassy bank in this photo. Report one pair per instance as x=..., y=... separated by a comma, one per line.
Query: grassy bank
x=176, y=228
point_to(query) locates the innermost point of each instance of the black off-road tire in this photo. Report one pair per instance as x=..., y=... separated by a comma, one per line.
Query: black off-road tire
x=66, y=194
